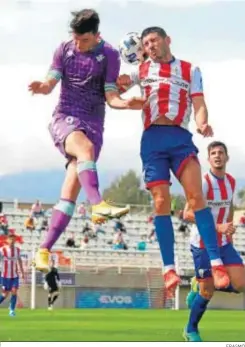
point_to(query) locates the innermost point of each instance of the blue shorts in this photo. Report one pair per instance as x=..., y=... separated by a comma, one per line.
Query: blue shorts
x=9, y=283
x=165, y=148
x=229, y=256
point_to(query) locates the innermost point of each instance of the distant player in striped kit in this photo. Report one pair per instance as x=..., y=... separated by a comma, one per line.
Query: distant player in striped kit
x=11, y=265
x=172, y=87
x=218, y=188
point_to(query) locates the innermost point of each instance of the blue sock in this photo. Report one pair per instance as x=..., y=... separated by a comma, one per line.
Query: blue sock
x=228, y=289
x=207, y=229
x=198, y=308
x=2, y=298
x=165, y=236
x=13, y=301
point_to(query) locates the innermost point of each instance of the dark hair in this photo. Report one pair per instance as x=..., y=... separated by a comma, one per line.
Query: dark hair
x=144, y=56
x=217, y=144
x=85, y=21
x=160, y=31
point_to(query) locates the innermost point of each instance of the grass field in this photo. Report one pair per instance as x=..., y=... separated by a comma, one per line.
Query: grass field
x=116, y=325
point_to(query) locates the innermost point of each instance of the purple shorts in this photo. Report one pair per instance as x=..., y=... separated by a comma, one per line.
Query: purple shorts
x=61, y=126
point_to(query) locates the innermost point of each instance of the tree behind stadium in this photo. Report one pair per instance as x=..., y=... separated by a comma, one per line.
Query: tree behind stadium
x=127, y=189
x=241, y=197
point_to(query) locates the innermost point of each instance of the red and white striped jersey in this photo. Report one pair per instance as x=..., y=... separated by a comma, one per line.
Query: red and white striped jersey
x=10, y=257
x=219, y=194
x=169, y=87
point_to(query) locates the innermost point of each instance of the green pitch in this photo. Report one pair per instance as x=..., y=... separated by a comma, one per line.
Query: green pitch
x=116, y=325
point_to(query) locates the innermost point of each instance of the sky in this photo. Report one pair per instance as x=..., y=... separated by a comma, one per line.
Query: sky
x=211, y=34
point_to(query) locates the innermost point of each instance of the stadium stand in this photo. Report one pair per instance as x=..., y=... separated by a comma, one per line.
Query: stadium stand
x=99, y=249
x=98, y=273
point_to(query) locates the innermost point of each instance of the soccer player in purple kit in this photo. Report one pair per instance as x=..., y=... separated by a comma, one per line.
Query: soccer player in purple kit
x=88, y=68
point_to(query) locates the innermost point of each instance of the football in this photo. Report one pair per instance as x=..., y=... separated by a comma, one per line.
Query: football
x=129, y=48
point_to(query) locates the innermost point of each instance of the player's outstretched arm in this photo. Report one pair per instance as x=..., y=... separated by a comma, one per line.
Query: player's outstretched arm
x=54, y=75
x=45, y=88
x=201, y=116
x=115, y=101
x=112, y=78
x=199, y=104
x=200, y=110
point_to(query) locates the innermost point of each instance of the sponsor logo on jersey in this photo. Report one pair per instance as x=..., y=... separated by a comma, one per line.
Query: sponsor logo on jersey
x=100, y=57
x=223, y=203
x=181, y=84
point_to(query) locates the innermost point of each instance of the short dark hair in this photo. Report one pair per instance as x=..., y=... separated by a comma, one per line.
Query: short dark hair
x=85, y=21
x=217, y=144
x=160, y=31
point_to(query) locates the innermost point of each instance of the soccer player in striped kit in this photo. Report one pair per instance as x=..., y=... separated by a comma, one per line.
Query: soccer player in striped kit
x=218, y=189
x=172, y=87
x=11, y=263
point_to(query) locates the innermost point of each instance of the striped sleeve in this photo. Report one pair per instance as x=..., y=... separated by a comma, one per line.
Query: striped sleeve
x=232, y=181
x=196, y=88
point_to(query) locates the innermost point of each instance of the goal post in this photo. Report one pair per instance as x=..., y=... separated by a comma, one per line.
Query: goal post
x=97, y=284
x=33, y=282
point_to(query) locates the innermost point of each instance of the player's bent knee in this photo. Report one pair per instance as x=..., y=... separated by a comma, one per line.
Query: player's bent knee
x=161, y=199
x=239, y=286
x=206, y=293
x=14, y=291
x=161, y=206
x=78, y=145
x=196, y=200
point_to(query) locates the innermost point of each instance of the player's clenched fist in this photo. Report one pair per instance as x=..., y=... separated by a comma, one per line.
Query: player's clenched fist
x=124, y=80
x=227, y=228
x=205, y=130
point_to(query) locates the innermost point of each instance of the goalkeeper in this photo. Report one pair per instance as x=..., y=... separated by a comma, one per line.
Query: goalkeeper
x=53, y=285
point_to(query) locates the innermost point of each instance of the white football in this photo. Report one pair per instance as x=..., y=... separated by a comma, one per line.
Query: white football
x=129, y=46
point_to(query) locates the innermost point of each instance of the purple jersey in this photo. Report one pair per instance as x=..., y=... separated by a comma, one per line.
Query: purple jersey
x=85, y=77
